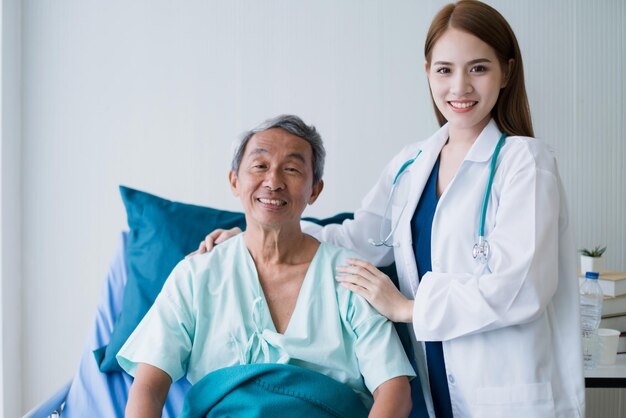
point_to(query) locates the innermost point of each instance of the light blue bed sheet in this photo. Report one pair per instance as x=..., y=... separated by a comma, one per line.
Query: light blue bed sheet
x=97, y=394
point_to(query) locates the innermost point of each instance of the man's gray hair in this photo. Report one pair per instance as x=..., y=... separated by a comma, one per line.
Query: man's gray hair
x=295, y=126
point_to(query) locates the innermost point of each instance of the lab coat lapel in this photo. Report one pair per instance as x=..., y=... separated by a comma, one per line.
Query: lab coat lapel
x=421, y=171
x=485, y=144
x=481, y=151
x=418, y=176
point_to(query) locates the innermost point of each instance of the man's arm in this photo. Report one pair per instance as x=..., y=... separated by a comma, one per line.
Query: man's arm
x=392, y=399
x=148, y=392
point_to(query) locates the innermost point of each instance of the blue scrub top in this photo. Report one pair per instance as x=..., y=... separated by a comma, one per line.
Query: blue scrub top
x=421, y=227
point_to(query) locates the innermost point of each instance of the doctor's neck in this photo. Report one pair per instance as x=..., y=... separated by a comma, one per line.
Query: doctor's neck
x=465, y=135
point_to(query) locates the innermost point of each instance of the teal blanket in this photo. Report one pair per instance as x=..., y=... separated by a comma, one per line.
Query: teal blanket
x=271, y=390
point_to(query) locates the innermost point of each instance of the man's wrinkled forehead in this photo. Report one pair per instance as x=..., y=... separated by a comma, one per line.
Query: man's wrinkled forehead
x=264, y=143
x=262, y=151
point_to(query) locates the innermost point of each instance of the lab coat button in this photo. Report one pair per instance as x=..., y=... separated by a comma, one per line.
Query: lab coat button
x=451, y=379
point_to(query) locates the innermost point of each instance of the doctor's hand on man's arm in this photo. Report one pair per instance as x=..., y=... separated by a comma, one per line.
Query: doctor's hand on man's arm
x=377, y=288
x=216, y=237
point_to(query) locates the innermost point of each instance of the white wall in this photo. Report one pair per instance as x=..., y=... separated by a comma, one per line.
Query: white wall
x=10, y=207
x=151, y=93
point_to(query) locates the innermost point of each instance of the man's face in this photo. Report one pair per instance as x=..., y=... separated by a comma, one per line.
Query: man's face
x=275, y=178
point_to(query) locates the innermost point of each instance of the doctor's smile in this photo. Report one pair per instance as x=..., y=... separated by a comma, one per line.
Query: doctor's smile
x=462, y=106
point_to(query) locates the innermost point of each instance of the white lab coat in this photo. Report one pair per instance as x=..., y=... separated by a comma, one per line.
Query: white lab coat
x=511, y=328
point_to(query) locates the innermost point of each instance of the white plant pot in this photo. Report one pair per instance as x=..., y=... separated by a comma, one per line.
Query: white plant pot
x=590, y=264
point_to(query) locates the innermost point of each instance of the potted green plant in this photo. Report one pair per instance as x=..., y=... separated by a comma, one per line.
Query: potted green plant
x=591, y=260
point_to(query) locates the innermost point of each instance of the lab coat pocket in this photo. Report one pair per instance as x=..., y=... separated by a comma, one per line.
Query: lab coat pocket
x=525, y=400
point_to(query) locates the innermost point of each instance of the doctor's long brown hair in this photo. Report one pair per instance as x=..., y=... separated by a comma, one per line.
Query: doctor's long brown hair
x=511, y=112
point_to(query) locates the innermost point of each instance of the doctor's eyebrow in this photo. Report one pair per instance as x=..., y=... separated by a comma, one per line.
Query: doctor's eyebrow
x=472, y=62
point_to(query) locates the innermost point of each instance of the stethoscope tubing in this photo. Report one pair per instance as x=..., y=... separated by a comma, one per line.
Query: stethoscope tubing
x=492, y=172
x=481, y=229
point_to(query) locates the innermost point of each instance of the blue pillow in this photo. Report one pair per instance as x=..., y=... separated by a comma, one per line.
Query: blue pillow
x=162, y=232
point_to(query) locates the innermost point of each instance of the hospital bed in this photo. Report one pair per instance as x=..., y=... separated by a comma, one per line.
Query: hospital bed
x=159, y=230
x=91, y=390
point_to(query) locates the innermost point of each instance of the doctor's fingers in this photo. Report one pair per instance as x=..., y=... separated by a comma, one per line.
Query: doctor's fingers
x=225, y=234
x=201, y=250
x=364, y=264
x=205, y=245
x=352, y=286
x=354, y=275
x=355, y=279
x=372, y=287
x=217, y=237
x=371, y=274
x=385, y=299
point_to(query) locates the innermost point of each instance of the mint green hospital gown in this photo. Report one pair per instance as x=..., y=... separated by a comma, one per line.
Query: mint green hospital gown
x=212, y=313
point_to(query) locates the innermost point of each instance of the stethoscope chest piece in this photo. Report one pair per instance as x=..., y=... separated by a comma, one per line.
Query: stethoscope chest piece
x=481, y=250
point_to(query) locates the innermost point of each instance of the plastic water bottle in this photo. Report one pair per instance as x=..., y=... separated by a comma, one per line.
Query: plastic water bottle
x=591, y=313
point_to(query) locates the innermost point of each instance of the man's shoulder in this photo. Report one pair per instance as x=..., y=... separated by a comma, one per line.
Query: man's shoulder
x=218, y=254
x=211, y=267
x=336, y=253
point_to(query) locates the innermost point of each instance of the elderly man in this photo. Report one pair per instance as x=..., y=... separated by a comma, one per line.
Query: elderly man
x=268, y=295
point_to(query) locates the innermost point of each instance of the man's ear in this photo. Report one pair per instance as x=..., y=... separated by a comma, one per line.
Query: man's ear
x=507, y=73
x=317, y=189
x=232, y=179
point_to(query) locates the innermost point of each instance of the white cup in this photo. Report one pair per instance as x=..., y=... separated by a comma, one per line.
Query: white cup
x=607, y=342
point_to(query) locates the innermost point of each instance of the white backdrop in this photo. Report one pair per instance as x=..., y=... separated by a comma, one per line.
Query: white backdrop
x=151, y=94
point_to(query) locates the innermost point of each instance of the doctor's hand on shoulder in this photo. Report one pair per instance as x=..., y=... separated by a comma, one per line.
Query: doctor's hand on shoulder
x=377, y=288
x=216, y=237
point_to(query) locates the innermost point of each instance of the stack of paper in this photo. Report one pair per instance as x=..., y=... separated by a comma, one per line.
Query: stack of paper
x=613, y=283
x=612, y=306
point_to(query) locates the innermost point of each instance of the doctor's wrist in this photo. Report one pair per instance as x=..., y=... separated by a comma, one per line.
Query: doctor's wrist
x=405, y=312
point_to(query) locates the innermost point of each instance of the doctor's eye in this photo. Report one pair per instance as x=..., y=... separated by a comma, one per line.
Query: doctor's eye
x=478, y=69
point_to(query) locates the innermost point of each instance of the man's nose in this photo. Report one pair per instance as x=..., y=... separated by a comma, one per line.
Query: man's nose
x=274, y=180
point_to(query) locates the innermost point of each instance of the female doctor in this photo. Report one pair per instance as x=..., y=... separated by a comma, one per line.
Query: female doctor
x=475, y=218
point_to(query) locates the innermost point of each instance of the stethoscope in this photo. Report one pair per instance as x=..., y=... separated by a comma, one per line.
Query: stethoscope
x=481, y=249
